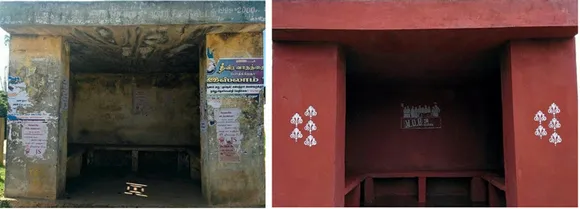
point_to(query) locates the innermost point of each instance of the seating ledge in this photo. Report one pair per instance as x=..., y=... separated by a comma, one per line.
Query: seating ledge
x=352, y=181
x=495, y=180
x=430, y=174
x=75, y=152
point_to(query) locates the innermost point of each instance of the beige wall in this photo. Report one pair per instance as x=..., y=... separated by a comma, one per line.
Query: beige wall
x=103, y=109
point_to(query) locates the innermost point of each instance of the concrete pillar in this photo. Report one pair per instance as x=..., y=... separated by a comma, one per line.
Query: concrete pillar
x=232, y=139
x=307, y=75
x=37, y=117
x=535, y=75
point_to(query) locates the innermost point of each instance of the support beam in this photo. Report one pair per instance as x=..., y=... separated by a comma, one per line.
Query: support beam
x=540, y=171
x=38, y=86
x=308, y=75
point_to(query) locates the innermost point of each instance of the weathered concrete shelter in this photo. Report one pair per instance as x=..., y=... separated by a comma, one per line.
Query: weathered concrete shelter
x=425, y=103
x=165, y=95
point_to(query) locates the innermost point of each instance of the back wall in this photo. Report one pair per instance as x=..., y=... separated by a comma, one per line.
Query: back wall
x=140, y=109
x=469, y=138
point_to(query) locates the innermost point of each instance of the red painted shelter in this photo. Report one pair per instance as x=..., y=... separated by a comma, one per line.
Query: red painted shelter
x=425, y=102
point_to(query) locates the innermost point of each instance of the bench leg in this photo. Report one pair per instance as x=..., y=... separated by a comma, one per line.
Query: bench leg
x=422, y=191
x=353, y=198
x=492, y=195
x=134, y=161
x=369, y=194
x=73, y=166
x=478, y=189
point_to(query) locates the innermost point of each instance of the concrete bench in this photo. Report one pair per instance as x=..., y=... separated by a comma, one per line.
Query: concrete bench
x=135, y=149
x=352, y=186
x=74, y=161
x=494, y=183
x=421, y=176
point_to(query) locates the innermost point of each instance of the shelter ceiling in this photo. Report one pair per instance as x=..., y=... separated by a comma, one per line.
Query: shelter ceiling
x=137, y=49
x=442, y=55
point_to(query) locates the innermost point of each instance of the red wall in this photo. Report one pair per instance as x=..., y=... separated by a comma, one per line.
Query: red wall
x=468, y=139
x=308, y=75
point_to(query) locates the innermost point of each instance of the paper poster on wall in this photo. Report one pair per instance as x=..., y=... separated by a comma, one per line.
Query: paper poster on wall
x=234, y=76
x=140, y=103
x=421, y=116
x=17, y=96
x=35, y=136
x=228, y=134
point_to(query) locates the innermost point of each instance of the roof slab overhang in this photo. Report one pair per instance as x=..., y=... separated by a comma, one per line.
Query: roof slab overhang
x=139, y=36
x=425, y=40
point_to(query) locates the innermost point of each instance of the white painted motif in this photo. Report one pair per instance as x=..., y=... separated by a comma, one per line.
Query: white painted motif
x=310, y=127
x=554, y=124
x=296, y=134
x=540, y=131
x=555, y=139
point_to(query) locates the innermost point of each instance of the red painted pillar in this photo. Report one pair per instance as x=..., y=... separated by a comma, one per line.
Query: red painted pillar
x=535, y=75
x=307, y=75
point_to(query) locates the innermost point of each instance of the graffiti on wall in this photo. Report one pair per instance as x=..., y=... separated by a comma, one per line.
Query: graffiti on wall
x=64, y=94
x=553, y=124
x=310, y=126
x=421, y=116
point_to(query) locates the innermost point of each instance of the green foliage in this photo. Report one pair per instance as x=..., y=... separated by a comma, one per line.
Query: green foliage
x=3, y=104
x=6, y=40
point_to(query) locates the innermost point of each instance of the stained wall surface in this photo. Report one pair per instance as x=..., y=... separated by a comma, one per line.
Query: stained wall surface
x=237, y=179
x=37, y=117
x=138, y=109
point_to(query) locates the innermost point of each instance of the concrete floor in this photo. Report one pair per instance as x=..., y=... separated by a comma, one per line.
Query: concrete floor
x=108, y=191
x=101, y=190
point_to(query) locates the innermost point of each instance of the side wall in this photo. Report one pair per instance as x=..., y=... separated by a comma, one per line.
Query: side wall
x=138, y=109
